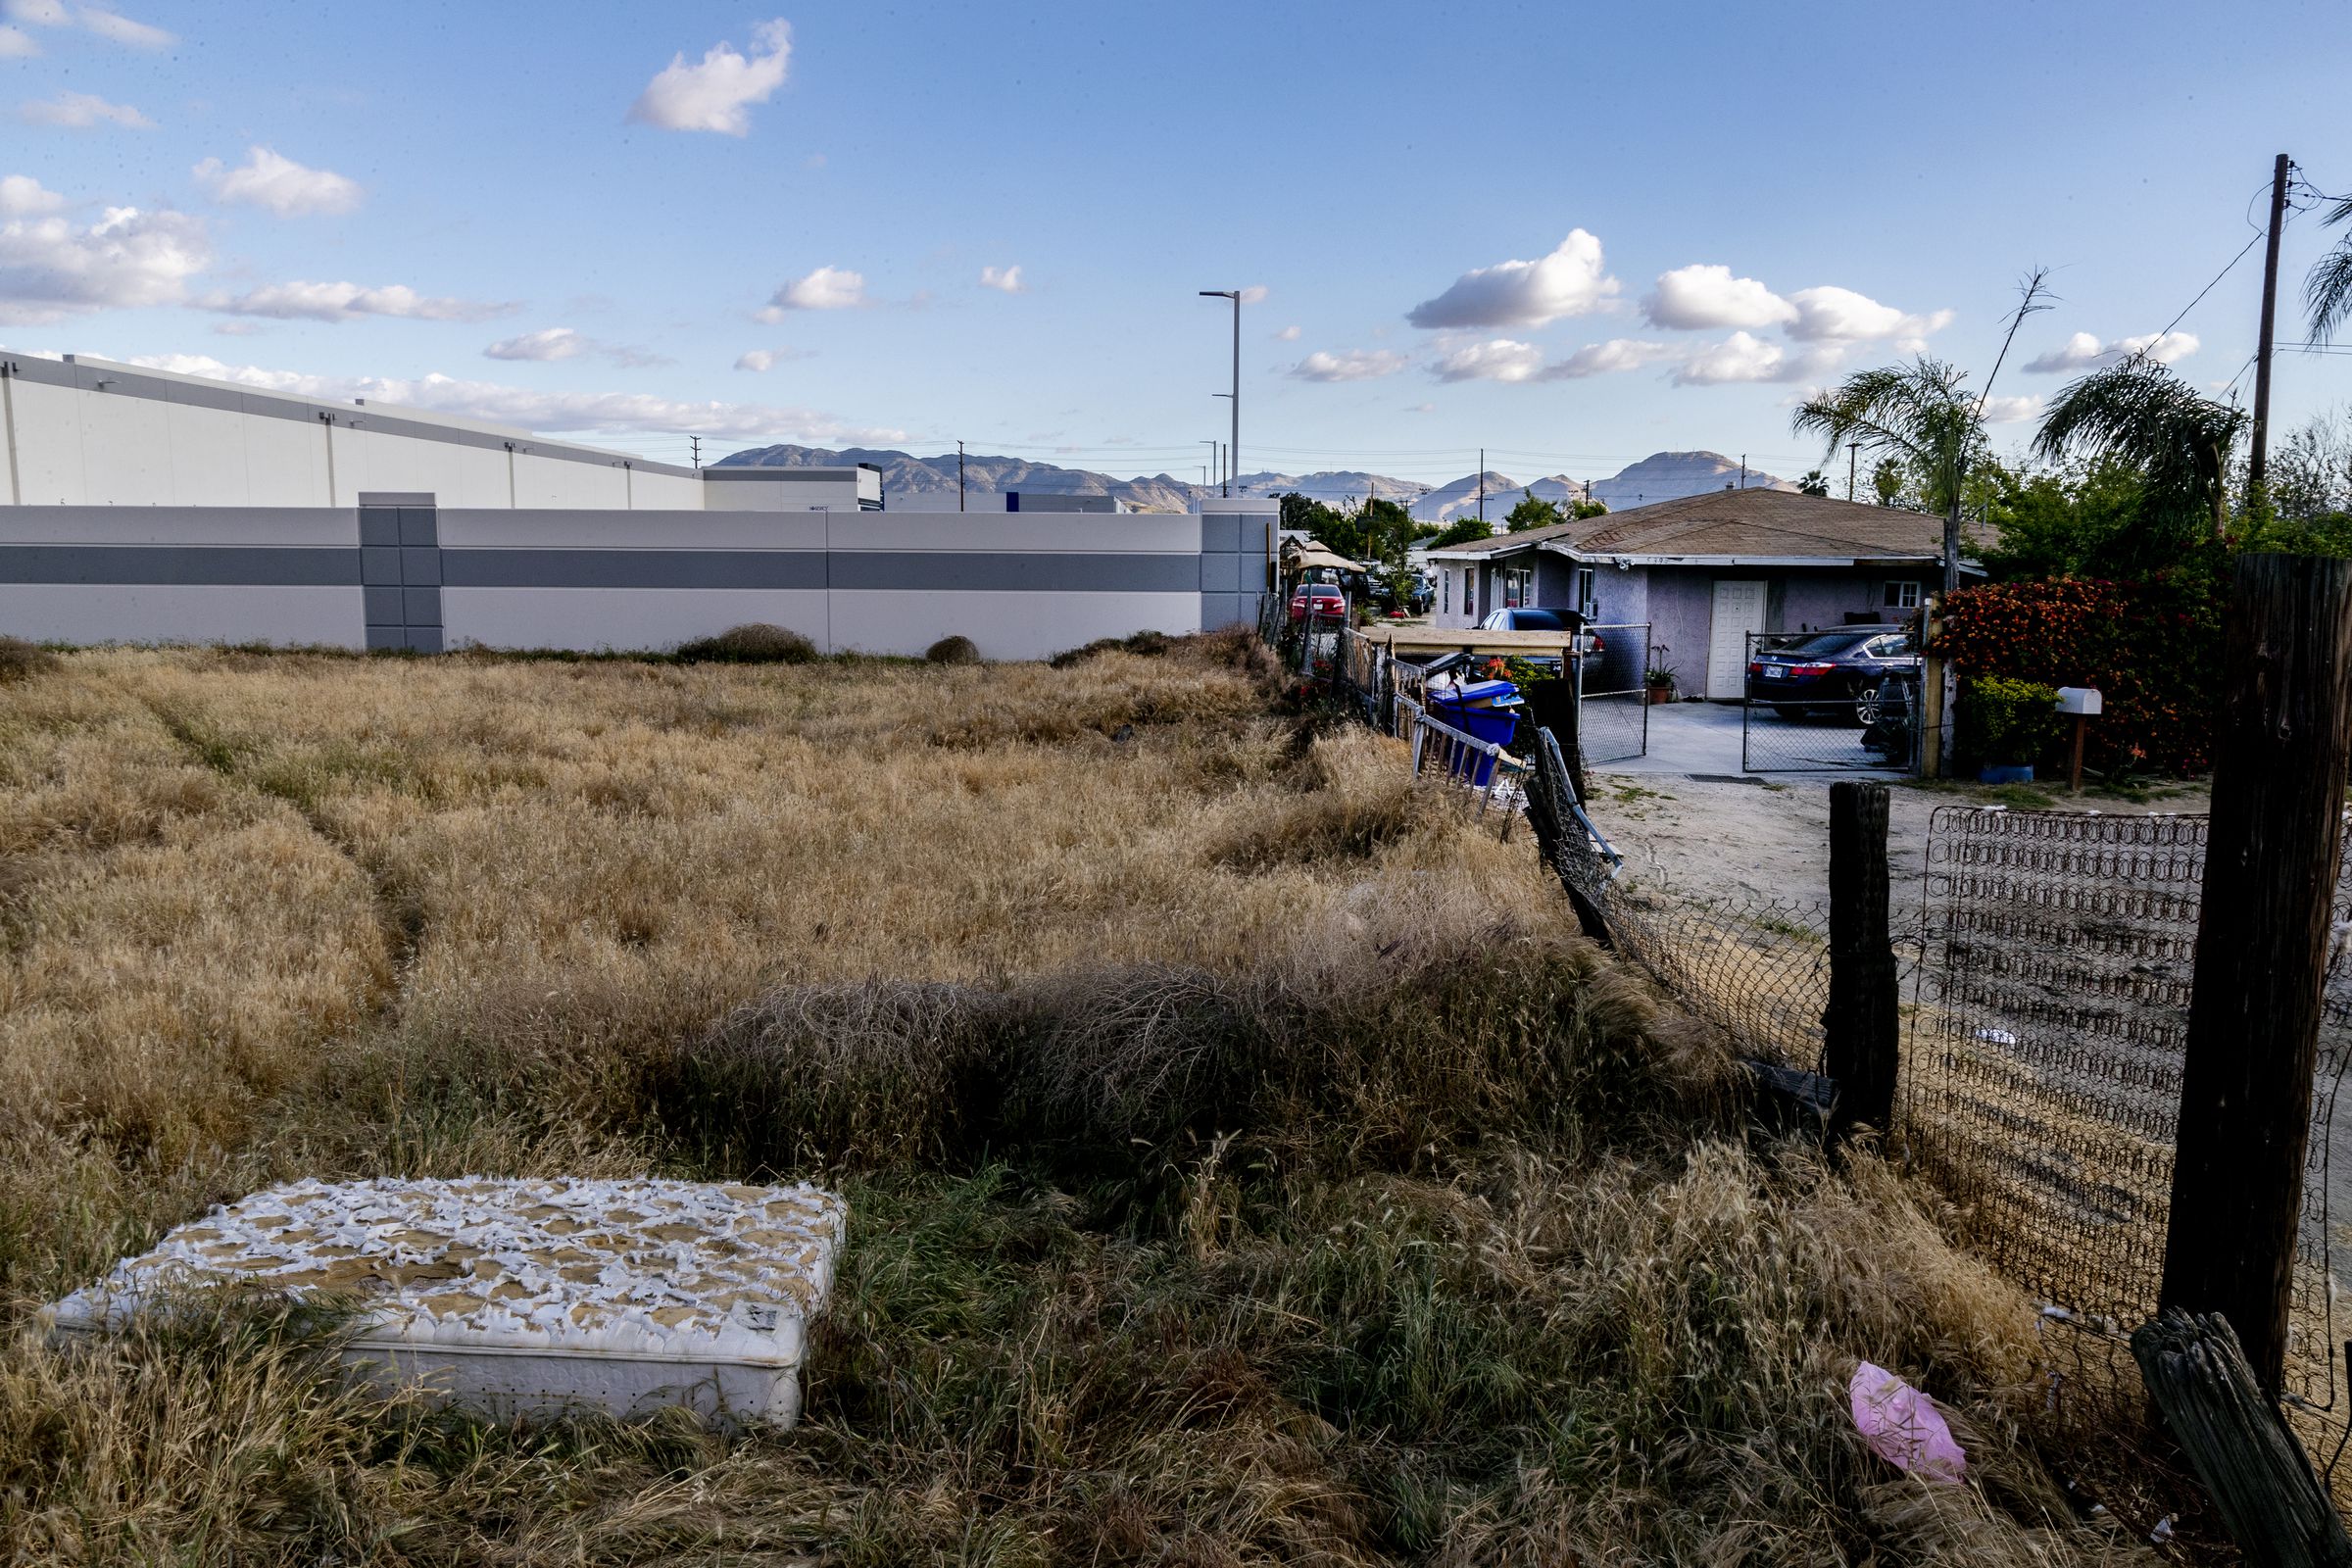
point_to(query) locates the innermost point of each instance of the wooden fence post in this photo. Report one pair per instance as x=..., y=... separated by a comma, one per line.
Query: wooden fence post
x=2271, y=856
x=1862, y=1023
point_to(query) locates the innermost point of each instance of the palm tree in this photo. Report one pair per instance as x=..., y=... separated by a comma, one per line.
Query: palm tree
x=1915, y=414
x=2138, y=413
x=1815, y=483
x=2328, y=288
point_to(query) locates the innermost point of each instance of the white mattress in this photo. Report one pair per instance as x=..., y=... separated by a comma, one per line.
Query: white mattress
x=529, y=1297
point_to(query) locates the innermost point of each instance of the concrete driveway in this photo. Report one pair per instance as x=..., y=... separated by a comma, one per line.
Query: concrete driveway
x=1704, y=738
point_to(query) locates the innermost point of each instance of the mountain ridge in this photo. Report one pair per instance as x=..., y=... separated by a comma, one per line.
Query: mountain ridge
x=1660, y=477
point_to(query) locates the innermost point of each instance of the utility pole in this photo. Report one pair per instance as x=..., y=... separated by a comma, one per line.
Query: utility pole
x=1232, y=451
x=958, y=477
x=1482, y=484
x=2258, y=462
x=1742, y=471
x=1853, y=452
x=697, y=450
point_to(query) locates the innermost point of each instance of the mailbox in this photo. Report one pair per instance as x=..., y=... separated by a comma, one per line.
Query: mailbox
x=2083, y=700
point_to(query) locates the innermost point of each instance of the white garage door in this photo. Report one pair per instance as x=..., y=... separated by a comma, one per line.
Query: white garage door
x=1738, y=611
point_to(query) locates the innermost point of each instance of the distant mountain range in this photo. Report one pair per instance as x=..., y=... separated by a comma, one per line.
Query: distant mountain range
x=1660, y=477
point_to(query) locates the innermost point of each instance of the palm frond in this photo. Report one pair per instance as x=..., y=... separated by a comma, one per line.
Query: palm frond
x=2327, y=286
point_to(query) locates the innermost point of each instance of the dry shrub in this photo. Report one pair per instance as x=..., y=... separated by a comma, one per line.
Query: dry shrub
x=20, y=661
x=754, y=643
x=952, y=650
x=1143, y=644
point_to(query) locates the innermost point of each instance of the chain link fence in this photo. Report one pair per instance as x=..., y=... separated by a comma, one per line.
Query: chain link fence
x=1830, y=702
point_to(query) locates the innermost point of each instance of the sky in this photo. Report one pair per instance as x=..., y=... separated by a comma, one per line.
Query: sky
x=1570, y=234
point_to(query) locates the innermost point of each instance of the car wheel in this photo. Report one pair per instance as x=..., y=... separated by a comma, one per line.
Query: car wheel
x=1866, y=709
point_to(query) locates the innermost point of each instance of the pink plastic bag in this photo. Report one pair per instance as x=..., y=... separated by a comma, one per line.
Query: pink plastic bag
x=1903, y=1427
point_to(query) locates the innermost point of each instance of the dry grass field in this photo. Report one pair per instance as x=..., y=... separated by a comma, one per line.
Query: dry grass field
x=1247, y=1165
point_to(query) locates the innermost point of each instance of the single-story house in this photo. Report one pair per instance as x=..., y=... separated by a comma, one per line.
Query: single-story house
x=1706, y=571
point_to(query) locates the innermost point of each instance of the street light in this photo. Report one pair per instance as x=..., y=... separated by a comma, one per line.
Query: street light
x=1211, y=442
x=1233, y=449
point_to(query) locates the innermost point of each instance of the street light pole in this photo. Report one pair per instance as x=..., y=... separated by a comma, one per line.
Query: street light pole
x=1233, y=449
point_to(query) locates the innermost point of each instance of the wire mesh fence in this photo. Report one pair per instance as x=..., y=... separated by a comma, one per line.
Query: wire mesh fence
x=1830, y=702
x=2042, y=1068
x=1612, y=694
x=1757, y=967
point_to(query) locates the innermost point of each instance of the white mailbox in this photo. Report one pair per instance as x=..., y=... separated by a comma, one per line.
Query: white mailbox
x=2083, y=700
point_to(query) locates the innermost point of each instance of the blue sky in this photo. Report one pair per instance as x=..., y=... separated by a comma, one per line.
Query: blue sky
x=1619, y=229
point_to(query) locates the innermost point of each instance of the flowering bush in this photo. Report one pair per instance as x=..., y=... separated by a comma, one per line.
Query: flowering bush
x=2152, y=647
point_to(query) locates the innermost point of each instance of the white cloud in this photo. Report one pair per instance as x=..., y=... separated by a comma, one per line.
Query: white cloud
x=1829, y=314
x=2011, y=410
x=1570, y=281
x=123, y=31
x=828, y=288
x=1289, y=334
x=1500, y=360
x=1005, y=279
x=284, y=186
x=37, y=12
x=17, y=44
x=1741, y=357
x=22, y=196
x=714, y=95
x=1356, y=364
x=2083, y=351
x=1708, y=296
x=344, y=301
x=582, y=413
x=548, y=343
x=78, y=110
x=1604, y=358
x=2161, y=347
x=767, y=358
x=1255, y=294
x=50, y=267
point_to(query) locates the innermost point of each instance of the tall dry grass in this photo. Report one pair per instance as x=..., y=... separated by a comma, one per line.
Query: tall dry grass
x=1247, y=1165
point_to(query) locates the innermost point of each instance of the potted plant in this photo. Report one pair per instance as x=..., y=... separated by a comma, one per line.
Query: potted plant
x=2005, y=726
x=1659, y=678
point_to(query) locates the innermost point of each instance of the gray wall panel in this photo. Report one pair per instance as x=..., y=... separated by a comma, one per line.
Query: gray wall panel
x=419, y=567
x=379, y=566
x=633, y=569
x=327, y=526
x=1040, y=571
x=383, y=606
x=1220, y=531
x=160, y=613
x=191, y=565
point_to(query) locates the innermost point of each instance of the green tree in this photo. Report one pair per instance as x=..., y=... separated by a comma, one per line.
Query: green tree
x=1890, y=484
x=1583, y=507
x=1529, y=513
x=1814, y=483
x=2079, y=519
x=1464, y=529
x=2327, y=286
x=1920, y=416
x=2180, y=442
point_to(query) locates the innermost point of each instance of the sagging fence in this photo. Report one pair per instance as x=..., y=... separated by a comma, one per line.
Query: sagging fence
x=2044, y=966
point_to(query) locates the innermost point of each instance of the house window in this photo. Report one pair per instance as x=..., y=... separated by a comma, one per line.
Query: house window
x=1583, y=593
x=1518, y=586
x=1902, y=596
x=1446, y=590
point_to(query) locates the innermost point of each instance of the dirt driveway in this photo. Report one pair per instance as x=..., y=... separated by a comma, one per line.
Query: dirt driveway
x=1686, y=815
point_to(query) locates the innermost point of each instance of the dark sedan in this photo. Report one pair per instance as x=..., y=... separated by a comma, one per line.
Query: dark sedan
x=1831, y=672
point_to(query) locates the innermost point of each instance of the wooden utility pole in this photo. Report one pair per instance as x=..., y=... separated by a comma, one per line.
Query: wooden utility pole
x=958, y=477
x=2259, y=460
x=1853, y=453
x=1862, y=1024
x=2271, y=857
x=1482, y=484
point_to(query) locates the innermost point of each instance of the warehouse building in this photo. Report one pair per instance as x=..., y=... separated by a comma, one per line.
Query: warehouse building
x=146, y=505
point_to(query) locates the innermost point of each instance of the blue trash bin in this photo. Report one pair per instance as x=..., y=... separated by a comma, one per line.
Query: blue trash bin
x=1487, y=711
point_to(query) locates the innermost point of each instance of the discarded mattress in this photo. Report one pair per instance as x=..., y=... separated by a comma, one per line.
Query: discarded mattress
x=529, y=1298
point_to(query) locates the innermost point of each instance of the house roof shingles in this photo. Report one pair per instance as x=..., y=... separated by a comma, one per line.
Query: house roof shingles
x=1739, y=524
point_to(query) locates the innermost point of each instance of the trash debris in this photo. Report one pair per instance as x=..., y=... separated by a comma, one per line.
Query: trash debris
x=2162, y=1534
x=1903, y=1427
x=1996, y=1037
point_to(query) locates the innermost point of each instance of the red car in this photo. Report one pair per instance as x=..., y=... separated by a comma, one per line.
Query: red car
x=1319, y=597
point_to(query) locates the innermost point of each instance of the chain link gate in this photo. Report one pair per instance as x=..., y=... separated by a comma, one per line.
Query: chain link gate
x=1821, y=701
x=1612, y=694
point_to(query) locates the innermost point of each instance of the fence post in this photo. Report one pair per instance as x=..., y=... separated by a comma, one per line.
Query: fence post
x=2271, y=856
x=1862, y=1023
